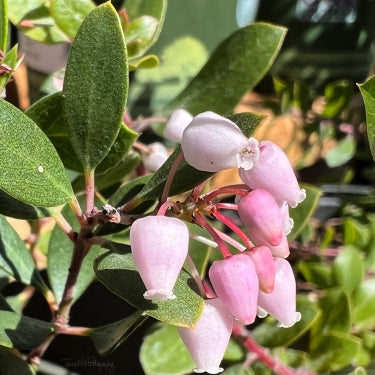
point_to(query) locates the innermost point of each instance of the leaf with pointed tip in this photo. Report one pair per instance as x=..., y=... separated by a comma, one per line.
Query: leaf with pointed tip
x=15, y=258
x=22, y=332
x=119, y=274
x=11, y=364
x=96, y=86
x=30, y=168
x=11, y=59
x=69, y=15
x=235, y=67
x=107, y=338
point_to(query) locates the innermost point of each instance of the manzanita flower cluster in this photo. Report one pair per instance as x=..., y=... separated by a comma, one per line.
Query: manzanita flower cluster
x=253, y=278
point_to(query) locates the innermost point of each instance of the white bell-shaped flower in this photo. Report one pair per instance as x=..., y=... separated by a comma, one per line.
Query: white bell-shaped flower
x=155, y=157
x=213, y=143
x=176, y=124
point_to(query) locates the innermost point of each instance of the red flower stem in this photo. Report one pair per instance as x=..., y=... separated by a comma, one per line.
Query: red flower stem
x=200, y=220
x=263, y=355
x=227, y=206
x=230, y=240
x=164, y=207
x=198, y=189
x=234, y=228
x=240, y=189
x=196, y=276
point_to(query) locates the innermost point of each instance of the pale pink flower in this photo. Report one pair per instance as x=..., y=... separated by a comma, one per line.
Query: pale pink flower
x=155, y=157
x=176, y=124
x=265, y=267
x=208, y=340
x=281, y=302
x=213, y=143
x=287, y=220
x=274, y=173
x=159, y=246
x=262, y=217
x=235, y=282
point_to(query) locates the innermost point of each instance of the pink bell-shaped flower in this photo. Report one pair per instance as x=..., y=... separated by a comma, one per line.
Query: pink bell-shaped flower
x=155, y=157
x=208, y=340
x=213, y=143
x=264, y=266
x=281, y=302
x=235, y=282
x=274, y=173
x=159, y=246
x=176, y=124
x=262, y=217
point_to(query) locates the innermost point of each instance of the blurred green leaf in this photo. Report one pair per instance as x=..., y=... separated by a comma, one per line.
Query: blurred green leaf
x=15, y=258
x=11, y=364
x=238, y=369
x=69, y=14
x=59, y=256
x=22, y=332
x=363, y=302
x=12, y=59
x=368, y=93
x=146, y=62
x=269, y=335
x=337, y=95
x=96, y=86
x=107, y=338
x=342, y=152
x=234, y=351
x=347, y=269
x=317, y=273
x=36, y=12
x=302, y=213
x=236, y=66
x=4, y=25
x=163, y=352
x=30, y=168
x=118, y=273
x=355, y=232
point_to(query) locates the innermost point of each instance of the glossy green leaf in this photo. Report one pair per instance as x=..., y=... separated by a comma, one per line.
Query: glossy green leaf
x=363, y=302
x=317, y=273
x=368, y=94
x=60, y=252
x=269, y=335
x=96, y=86
x=186, y=176
x=15, y=258
x=118, y=273
x=69, y=15
x=3, y=26
x=236, y=66
x=163, y=353
x=22, y=332
x=30, y=169
x=107, y=338
x=154, y=8
x=342, y=152
x=146, y=62
x=37, y=12
x=302, y=213
x=348, y=269
x=355, y=232
x=334, y=350
x=12, y=207
x=11, y=364
x=337, y=95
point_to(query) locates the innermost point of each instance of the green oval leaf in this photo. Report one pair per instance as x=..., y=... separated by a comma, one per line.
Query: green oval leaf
x=249, y=52
x=96, y=85
x=70, y=14
x=15, y=258
x=364, y=305
x=342, y=152
x=22, y=332
x=30, y=169
x=119, y=274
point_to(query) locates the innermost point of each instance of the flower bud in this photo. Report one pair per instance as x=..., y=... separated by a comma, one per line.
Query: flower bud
x=235, y=282
x=262, y=217
x=155, y=157
x=213, y=143
x=281, y=302
x=159, y=246
x=176, y=124
x=208, y=340
x=264, y=266
x=274, y=173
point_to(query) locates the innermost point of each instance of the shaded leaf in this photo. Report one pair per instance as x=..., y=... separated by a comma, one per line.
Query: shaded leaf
x=69, y=15
x=22, y=332
x=118, y=273
x=363, y=302
x=15, y=258
x=337, y=95
x=236, y=66
x=317, y=273
x=30, y=168
x=107, y=338
x=11, y=364
x=96, y=85
x=302, y=213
